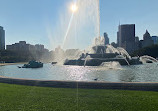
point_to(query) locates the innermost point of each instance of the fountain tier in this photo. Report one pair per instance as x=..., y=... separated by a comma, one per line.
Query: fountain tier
x=100, y=54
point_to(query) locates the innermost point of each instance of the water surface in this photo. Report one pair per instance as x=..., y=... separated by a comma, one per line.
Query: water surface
x=137, y=73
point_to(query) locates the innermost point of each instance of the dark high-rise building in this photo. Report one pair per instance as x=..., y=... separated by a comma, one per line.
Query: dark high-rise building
x=137, y=43
x=106, y=39
x=118, y=38
x=155, y=39
x=2, y=38
x=146, y=36
x=147, y=40
x=126, y=37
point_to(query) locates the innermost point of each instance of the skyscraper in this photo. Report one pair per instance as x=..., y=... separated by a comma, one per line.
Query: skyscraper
x=147, y=40
x=126, y=37
x=106, y=39
x=2, y=38
x=137, y=43
x=155, y=39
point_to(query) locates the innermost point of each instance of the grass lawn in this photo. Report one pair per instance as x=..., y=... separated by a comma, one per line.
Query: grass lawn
x=27, y=98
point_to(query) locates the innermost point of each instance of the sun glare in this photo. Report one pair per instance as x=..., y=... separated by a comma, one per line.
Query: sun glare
x=74, y=7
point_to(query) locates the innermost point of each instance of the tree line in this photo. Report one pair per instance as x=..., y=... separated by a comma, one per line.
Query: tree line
x=150, y=51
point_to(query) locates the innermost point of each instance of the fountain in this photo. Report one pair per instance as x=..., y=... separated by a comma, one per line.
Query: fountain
x=83, y=23
x=98, y=53
x=111, y=65
x=102, y=54
x=105, y=56
x=148, y=59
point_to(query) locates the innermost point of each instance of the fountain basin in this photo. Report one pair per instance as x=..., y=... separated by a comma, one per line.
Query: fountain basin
x=107, y=72
x=86, y=85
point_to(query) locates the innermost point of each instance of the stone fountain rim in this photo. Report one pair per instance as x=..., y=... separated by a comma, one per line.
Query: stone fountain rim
x=139, y=86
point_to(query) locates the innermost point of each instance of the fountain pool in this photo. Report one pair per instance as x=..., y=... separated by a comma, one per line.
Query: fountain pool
x=111, y=72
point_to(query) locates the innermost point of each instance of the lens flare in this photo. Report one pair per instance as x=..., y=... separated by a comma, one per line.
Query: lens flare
x=74, y=7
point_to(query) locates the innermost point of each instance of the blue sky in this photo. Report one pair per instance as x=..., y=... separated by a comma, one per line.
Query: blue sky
x=36, y=21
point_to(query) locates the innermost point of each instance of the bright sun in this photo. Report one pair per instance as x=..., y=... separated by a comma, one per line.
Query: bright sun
x=74, y=8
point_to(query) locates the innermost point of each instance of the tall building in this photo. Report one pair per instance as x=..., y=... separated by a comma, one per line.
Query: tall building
x=137, y=43
x=118, y=39
x=146, y=36
x=106, y=39
x=126, y=37
x=155, y=39
x=39, y=47
x=2, y=38
x=23, y=46
x=147, y=40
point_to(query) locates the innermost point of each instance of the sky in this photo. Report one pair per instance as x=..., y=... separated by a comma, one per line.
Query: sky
x=46, y=21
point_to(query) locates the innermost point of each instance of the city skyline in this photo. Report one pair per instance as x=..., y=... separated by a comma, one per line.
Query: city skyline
x=27, y=20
